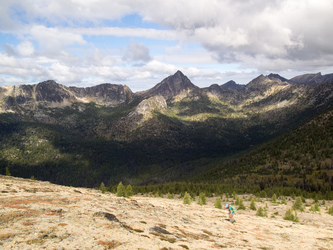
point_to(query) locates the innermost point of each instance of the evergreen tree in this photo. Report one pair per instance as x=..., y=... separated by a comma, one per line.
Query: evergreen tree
x=237, y=200
x=330, y=210
x=170, y=196
x=253, y=205
x=260, y=212
x=129, y=190
x=7, y=172
x=274, y=198
x=284, y=201
x=102, y=188
x=315, y=207
x=290, y=216
x=187, y=199
x=32, y=177
x=298, y=205
x=241, y=204
x=120, y=190
x=202, y=199
x=218, y=203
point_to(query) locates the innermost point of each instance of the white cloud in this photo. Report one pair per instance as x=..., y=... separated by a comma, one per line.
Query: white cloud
x=54, y=38
x=259, y=35
x=137, y=52
x=25, y=48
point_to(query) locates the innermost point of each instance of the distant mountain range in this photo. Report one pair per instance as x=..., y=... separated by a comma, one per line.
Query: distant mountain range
x=82, y=136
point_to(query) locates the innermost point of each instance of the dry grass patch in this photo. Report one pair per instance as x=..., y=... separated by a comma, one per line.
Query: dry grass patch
x=11, y=216
x=6, y=236
x=108, y=244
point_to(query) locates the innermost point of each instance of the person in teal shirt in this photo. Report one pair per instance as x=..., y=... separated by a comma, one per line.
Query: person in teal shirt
x=231, y=212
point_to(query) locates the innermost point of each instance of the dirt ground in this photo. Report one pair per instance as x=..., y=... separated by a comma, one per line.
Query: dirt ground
x=41, y=215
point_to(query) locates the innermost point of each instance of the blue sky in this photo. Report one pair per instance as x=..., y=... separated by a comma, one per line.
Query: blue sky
x=140, y=42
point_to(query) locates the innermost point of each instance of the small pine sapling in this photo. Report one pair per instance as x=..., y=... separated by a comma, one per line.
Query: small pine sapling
x=241, y=205
x=218, y=203
x=202, y=199
x=187, y=199
x=330, y=210
x=290, y=216
x=274, y=199
x=129, y=191
x=260, y=212
x=102, y=188
x=284, y=200
x=253, y=205
x=170, y=196
x=298, y=205
x=7, y=172
x=120, y=190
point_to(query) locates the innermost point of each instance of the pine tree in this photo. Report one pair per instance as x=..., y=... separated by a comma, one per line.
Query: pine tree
x=7, y=172
x=253, y=205
x=218, y=203
x=298, y=205
x=170, y=196
x=120, y=190
x=202, y=199
x=187, y=199
x=284, y=201
x=290, y=216
x=102, y=188
x=274, y=198
x=241, y=204
x=260, y=212
x=315, y=207
x=129, y=191
x=330, y=210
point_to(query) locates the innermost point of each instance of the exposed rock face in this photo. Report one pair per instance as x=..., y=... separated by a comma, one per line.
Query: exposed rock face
x=104, y=94
x=232, y=85
x=173, y=86
x=52, y=94
x=149, y=105
x=312, y=78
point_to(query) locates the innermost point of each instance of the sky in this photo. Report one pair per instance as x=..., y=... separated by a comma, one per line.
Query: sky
x=140, y=42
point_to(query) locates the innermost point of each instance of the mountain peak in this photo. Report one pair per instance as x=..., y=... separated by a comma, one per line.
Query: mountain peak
x=272, y=76
x=231, y=85
x=172, y=86
x=315, y=78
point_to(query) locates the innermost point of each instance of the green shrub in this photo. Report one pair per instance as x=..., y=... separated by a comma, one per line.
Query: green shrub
x=284, y=200
x=263, y=194
x=187, y=199
x=290, y=216
x=121, y=190
x=202, y=199
x=129, y=191
x=274, y=198
x=218, y=203
x=253, y=205
x=170, y=196
x=330, y=210
x=298, y=204
x=315, y=207
x=237, y=200
x=32, y=177
x=260, y=212
x=241, y=205
x=102, y=188
x=7, y=172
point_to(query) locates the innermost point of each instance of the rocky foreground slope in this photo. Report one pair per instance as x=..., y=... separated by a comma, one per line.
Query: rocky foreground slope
x=39, y=215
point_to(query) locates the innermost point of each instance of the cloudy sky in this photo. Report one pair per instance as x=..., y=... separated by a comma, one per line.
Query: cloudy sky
x=140, y=42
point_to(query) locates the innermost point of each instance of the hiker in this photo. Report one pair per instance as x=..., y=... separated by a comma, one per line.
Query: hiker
x=231, y=212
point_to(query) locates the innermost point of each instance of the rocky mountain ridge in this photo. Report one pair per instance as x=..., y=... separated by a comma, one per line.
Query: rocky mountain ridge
x=82, y=136
x=52, y=94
